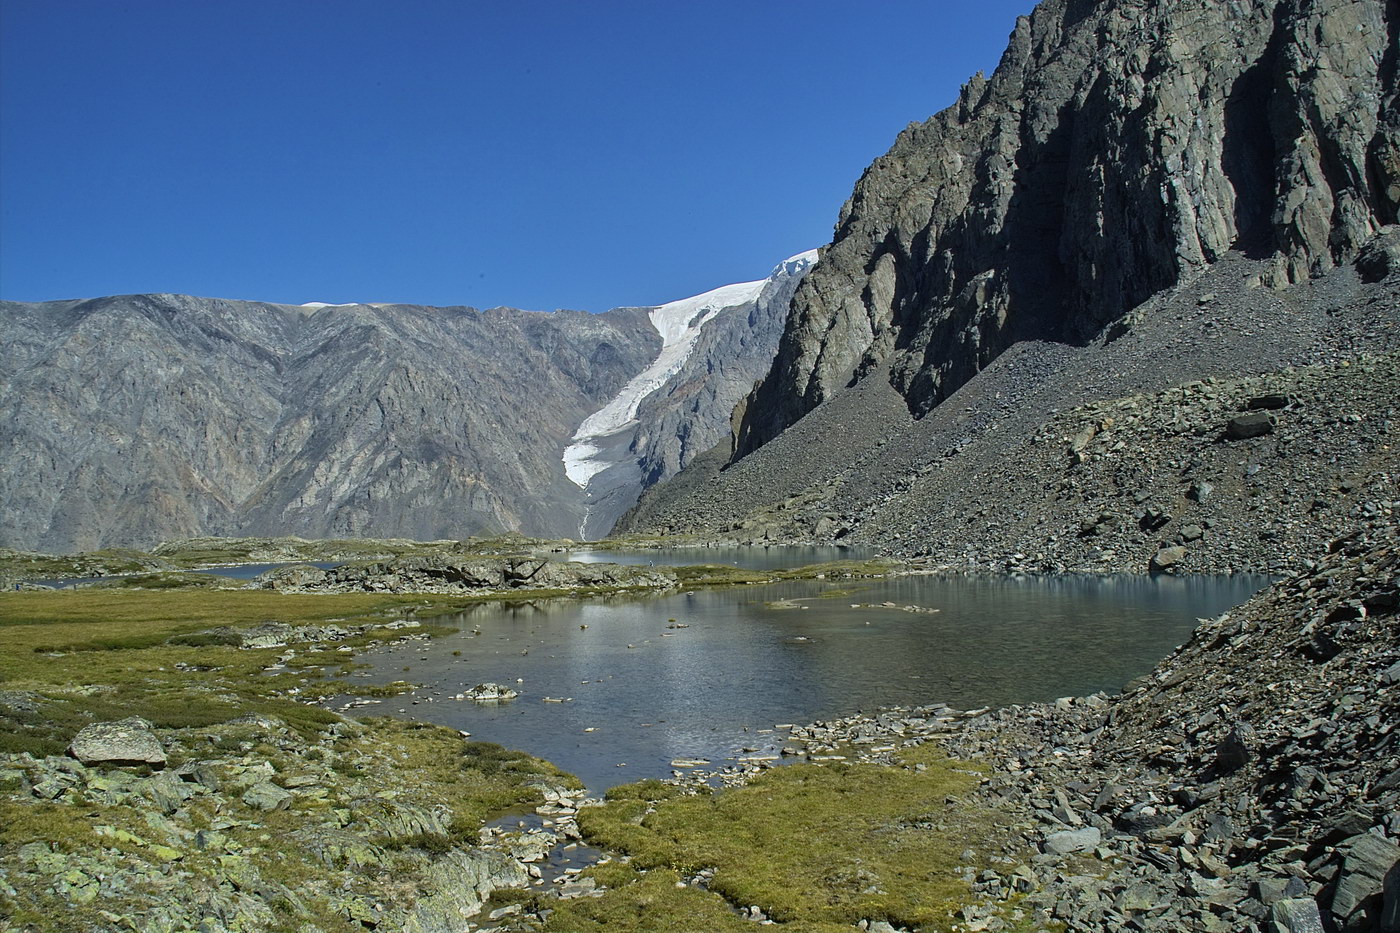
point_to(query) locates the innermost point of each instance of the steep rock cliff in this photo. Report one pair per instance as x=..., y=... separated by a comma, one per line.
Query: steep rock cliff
x=1120, y=148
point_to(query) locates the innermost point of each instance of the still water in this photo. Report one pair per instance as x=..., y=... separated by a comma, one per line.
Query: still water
x=750, y=558
x=700, y=674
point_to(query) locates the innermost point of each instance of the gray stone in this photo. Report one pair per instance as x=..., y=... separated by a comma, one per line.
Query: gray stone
x=1166, y=558
x=1254, y=424
x=129, y=741
x=1237, y=749
x=1072, y=840
x=1298, y=915
x=1362, y=879
x=1390, y=909
x=1381, y=257
x=1200, y=491
x=489, y=693
x=267, y=796
x=454, y=889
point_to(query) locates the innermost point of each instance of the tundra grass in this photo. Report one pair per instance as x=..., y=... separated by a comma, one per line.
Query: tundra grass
x=816, y=847
x=71, y=657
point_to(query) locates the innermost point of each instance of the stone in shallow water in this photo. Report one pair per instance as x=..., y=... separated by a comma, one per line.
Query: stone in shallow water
x=127, y=741
x=489, y=693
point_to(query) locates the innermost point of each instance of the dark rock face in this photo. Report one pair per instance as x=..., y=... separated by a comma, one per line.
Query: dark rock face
x=1094, y=169
x=141, y=418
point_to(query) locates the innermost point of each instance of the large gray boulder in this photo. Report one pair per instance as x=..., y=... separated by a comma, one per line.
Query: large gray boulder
x=455, y=887
x=129, y=741
x=1361, y=884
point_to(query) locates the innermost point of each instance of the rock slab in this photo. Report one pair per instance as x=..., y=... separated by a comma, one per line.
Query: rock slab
x=129, y=741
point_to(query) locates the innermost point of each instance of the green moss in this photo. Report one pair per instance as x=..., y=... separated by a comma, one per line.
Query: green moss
x=645, y=901
x=821, y=846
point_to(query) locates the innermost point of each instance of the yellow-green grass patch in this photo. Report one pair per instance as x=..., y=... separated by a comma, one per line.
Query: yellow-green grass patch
x=819, y=846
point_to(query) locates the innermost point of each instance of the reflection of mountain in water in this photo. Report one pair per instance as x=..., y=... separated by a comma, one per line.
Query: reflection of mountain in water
x=653, y=693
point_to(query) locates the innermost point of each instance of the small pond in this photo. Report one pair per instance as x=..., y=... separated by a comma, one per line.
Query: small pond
x=614, y=690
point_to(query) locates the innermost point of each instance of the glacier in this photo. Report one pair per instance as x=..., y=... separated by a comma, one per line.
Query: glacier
x=679, y=324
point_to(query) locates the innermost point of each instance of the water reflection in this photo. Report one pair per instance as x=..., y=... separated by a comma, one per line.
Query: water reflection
x=697, y=674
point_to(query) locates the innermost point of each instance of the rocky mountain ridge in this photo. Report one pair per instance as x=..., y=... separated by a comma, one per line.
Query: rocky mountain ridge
x=1094, y=169
x=1107, y=235
x=135, y=419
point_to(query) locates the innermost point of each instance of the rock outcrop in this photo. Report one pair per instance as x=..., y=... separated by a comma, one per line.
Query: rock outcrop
x=125, y=742
x=1077, y=255
x=718, y=345
x=447, y=574
x=375, y=827
x=1119, y=149
x=1098, y=457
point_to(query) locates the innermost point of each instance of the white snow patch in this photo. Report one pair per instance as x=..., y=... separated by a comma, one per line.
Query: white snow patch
x=678, y=323
x=326, y=304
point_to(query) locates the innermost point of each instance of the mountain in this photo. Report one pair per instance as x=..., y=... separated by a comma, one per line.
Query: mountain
x=715, y=346
x=134, y=419
x=1044, y=306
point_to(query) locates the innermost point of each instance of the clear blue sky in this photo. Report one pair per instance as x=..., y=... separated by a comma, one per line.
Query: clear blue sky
x=564, y=154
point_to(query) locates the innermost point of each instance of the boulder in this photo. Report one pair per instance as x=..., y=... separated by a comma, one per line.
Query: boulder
x=489, y=693
x=1072, y=840
x=267, y=796
x=1390, y=897
x=1297, y=915
x=1271, y=402
x=1361, y=883
x=1253, y=424
x=129, y=741
x=1237, y=748
x=1380, y=257
x=1166, y=558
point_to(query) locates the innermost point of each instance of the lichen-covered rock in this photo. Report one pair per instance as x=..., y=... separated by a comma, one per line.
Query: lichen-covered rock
x=455, y=887
x=129, y=741
x=267, y=796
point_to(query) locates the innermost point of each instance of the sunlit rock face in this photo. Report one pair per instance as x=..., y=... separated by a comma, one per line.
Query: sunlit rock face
x=715, y=346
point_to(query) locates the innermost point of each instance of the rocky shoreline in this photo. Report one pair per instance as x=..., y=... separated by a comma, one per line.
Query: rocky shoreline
x=1249, y=784
x=464, y=575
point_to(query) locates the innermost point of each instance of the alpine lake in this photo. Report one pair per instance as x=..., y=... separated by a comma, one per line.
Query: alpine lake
x=619, y=689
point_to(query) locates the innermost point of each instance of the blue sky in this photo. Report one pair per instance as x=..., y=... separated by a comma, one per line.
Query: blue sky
x=535, y=154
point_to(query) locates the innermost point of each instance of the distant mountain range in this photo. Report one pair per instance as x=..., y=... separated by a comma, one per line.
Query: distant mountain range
x=134, y=419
